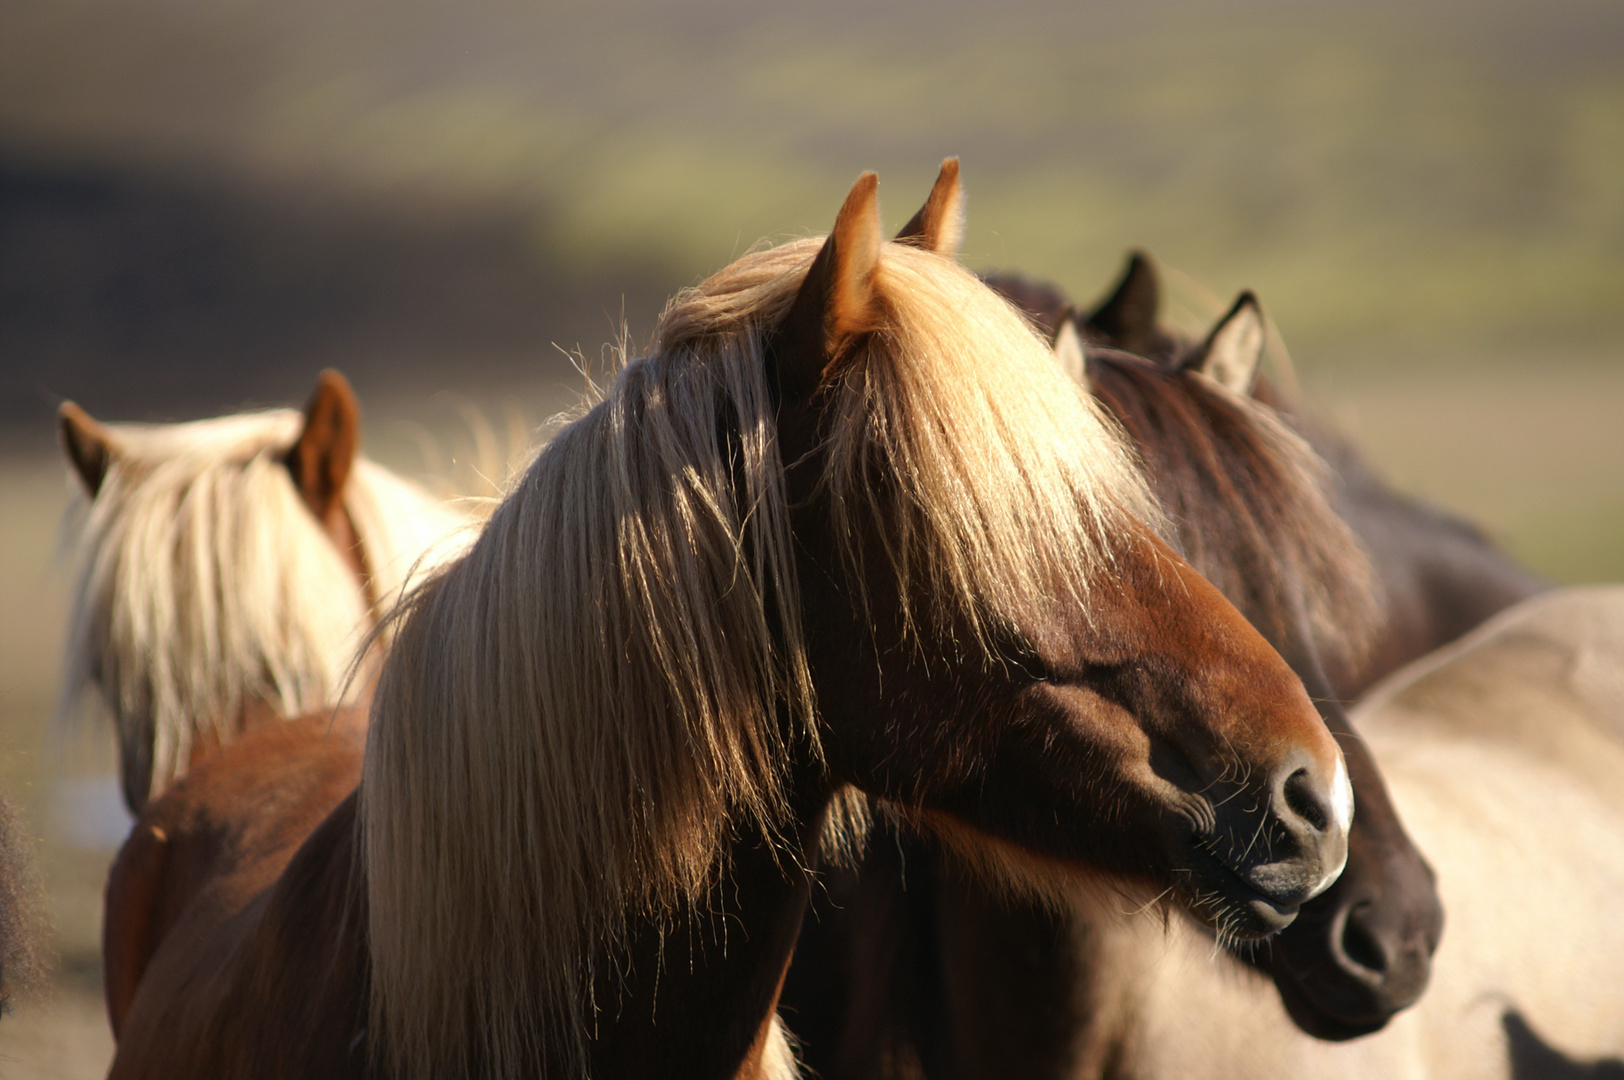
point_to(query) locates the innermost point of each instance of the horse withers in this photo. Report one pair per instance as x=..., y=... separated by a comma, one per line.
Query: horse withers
x=845, y=528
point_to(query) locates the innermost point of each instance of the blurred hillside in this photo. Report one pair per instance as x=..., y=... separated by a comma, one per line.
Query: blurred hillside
x=191, y=185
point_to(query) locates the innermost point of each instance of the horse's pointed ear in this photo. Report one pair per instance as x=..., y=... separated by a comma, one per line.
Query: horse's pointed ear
x=1068, y=348
x=1232, y=352
x=1126, y=319
x=322, y=458
x=837, y=301
x=87, y=444
x=939, y=225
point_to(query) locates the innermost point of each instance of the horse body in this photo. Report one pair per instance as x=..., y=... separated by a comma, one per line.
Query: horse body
x=819, y=539
x=265, y=976
x=217, y=839
x=204, y=853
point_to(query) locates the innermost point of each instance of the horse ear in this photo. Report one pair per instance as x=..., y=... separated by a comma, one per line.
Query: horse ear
x=87, y=445
x=939, y=225
x=322, y=458
x=1232, y=352
x=1068, y=349
x=1126, y=319
x=837, y=301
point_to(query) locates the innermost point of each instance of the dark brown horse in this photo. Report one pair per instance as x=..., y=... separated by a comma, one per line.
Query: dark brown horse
x=227, y=568
x=942, y=975
x=846, y=527
x=1359, y=951
x=1441, y=575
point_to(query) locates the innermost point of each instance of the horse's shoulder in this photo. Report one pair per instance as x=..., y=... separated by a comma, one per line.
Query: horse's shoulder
x=239, y=884
x=303, y=969
x=131, y=928
x=250, y=987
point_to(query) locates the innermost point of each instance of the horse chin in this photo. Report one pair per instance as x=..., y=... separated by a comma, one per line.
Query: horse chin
x=1314, y=1020
x=1219, y=897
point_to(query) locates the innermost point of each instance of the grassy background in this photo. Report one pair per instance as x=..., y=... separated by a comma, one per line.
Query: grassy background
x=203, y=202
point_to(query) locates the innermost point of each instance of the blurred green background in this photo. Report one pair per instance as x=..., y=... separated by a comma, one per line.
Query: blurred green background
x=203, y=203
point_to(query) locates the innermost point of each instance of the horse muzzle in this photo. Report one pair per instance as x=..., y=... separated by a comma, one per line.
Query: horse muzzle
x=1359, y=956
x=1269, y=852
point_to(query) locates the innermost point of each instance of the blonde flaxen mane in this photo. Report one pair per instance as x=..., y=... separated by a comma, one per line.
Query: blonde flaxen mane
x=581, y=714
x=203, y=583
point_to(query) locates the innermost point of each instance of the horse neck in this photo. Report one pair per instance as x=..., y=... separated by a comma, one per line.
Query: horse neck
x=348, y=721
x=1442, y=577
x=696, y=994
x=339, y=525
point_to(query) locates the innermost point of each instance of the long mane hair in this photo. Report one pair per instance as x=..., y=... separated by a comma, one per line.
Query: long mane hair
x=203, y=582
x=1251, y=505
x=579, y=715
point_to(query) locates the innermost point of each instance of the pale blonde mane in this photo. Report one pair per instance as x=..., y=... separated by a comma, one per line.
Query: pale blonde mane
x=580, y=715
x=203, y=583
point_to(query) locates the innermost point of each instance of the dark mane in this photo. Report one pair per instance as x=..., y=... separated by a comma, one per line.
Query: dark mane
x=1042, y=303
x=1046, y=307
x=1249, y=502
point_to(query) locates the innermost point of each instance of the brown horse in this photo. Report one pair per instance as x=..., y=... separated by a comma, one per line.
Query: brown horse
x=969, y=983
x=846, y=526
x=1441, y=575
x=980, y=987
x=227, y=570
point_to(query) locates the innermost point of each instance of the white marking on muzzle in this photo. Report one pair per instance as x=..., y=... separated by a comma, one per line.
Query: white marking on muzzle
x=1341, y=817
x=1341, y=796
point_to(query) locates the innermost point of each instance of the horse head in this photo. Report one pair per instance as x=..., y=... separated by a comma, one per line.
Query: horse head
x=227, y=570
x=1362, y=951
x=1001, y=645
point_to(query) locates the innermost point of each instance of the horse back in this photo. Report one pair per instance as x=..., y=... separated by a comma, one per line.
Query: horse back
x=228, y=902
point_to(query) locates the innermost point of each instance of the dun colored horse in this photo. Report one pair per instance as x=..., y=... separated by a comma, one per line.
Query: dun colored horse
x=846, y=527
x=1504, y=752
x=1442, y=577
x=227, y=571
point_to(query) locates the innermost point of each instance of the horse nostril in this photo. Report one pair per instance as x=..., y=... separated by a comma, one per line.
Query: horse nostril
x=1359, y=945
x=1304, y=801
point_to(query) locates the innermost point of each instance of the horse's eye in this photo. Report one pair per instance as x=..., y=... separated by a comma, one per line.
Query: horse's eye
x=1021, y=655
